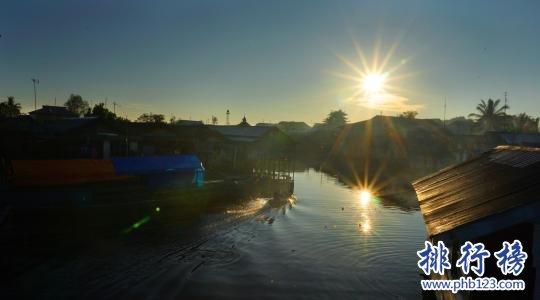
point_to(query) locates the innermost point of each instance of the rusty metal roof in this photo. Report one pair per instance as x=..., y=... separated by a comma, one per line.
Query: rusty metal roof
x=498, y=180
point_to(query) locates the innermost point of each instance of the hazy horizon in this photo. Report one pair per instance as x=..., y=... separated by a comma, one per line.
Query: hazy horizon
x=272, y=61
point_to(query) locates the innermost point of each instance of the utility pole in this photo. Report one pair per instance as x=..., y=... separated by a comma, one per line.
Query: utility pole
x=444, y=115
x=114, y=107
x=35, y=80
x=505, y=105
x=505, y=101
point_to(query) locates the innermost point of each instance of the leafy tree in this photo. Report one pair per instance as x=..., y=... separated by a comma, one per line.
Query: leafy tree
x=525, y=123
x=99, y=110
x=214, y=120
x=336, y=118
x=490, y=115
x=151, y=118
x=410, y=114
x=10, y=109
x=77, y=105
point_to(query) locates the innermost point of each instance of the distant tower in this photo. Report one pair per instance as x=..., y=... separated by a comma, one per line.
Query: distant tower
x=444, y=114
x=228, y=114
x=505, y=106
x=35, y=80
x=505, y=101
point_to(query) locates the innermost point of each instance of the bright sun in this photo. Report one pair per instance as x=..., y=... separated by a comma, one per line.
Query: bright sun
x=373, y=83
x=365, y=197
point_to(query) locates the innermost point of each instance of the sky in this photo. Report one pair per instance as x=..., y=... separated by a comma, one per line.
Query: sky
x=271, y=60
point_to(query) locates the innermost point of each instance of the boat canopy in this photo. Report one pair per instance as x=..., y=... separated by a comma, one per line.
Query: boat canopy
x=76, y=171
x=146, y=165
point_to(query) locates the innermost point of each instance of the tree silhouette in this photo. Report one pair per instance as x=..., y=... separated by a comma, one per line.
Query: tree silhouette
x=151, y=118
x=77, y=105
x=99, y=110
x=336, y=118
x=490, y=116
x=10, y=109
x=410, y=114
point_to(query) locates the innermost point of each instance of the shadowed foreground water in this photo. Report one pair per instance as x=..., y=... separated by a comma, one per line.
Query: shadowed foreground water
x=326, y=242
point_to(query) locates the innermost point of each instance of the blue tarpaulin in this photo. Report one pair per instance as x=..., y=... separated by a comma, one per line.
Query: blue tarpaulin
x=147, y=165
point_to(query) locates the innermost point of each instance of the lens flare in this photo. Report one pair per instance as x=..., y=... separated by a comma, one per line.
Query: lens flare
x=373, y=83
x=378, y=83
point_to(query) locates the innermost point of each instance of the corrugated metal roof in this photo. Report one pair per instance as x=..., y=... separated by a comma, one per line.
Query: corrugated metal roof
x=519, y=159
x=496, y=181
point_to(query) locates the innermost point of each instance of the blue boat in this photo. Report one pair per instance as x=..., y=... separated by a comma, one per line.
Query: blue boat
x=114, y=194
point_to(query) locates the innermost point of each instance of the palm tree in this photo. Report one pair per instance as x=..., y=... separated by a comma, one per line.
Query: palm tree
x=491, y=117
x=10, y=109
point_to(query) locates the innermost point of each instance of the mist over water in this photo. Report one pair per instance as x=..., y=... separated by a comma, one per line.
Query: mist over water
x=324, y=242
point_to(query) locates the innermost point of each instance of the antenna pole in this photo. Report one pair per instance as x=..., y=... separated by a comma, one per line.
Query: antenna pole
x=444, y=115
x=35, y=80
x=505, y=101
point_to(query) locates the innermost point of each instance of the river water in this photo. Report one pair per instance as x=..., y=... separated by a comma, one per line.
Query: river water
x=328, y=241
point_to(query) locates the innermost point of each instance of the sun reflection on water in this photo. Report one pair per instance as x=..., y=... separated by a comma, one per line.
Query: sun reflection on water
x=250, y=208
x=365, y=197
x=365, y=226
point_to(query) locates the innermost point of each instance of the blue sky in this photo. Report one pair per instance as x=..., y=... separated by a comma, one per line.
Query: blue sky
x=272, y=60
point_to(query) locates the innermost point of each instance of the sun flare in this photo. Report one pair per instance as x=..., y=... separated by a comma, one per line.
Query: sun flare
x=373, y=83
x=379, y=82
x=365, y=197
